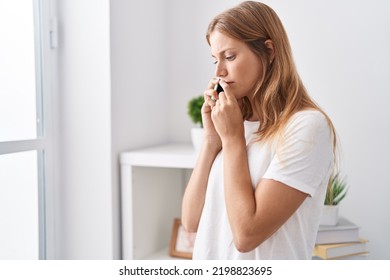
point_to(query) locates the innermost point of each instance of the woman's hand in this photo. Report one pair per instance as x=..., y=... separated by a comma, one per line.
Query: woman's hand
x=211, y=136
x=227, y=117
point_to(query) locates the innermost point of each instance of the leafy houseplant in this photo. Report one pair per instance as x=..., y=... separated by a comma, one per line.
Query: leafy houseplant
x=335, y=193
x=194, y=111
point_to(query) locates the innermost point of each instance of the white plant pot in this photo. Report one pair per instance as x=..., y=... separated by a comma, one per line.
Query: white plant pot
x=197, y=137
x=330, y=215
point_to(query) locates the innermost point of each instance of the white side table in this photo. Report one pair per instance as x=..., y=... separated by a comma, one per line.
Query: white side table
x=152, y=184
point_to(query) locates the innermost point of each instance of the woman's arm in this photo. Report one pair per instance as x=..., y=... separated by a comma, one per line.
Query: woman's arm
x=194, y=196
x=254, y=215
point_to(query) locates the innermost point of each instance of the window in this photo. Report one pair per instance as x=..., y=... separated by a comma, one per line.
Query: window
x=19, y=214
x=24, y=137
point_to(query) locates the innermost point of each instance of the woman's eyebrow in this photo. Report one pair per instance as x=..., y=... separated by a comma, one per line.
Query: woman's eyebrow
x=223, y=51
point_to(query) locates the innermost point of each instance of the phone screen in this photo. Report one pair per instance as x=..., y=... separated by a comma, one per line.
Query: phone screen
x=218, y=88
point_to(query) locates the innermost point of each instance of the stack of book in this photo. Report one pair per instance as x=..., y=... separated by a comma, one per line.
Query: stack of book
x=341, y=241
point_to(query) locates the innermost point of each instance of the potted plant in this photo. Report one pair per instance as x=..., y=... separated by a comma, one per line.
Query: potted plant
x=194, y=111
x=335, y=193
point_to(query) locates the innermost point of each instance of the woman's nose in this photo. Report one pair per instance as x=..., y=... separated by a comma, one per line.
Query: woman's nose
x=220, y=70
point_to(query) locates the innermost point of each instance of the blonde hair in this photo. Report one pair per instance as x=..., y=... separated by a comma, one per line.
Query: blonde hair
x=280, y=92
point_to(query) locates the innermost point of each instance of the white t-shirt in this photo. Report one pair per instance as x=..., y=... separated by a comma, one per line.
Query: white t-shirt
x=301, y=158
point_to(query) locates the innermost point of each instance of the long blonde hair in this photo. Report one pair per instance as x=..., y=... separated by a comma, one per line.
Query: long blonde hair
x=280, y=92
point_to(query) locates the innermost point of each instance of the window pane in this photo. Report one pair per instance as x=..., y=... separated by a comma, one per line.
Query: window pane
x=18, y=112
x=19, y=212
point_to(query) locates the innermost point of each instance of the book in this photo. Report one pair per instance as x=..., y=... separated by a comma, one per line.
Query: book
x=341, y=250
x=343, y=232
x=361, y=256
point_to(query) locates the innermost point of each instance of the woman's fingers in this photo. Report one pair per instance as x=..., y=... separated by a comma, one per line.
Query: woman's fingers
x=209, y=97
x=212, y=83
x=226, y=95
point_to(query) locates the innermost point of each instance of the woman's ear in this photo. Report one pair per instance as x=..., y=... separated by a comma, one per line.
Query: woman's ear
x=271, y=50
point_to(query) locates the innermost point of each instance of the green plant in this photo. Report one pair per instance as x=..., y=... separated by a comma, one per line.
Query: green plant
x=336, y=191
x=194, y=109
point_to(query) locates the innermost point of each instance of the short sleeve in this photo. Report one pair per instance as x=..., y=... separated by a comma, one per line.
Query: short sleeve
x=303, y=153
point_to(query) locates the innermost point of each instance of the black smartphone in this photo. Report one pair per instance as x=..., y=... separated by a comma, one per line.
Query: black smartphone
x=218, y=88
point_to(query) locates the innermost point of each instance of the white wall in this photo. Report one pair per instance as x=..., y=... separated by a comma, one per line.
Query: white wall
x=84, y=226
x=112, y=72
x=140, y=105
x=341, y=50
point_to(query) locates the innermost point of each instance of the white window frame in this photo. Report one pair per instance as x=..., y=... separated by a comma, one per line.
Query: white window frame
x=45, y=143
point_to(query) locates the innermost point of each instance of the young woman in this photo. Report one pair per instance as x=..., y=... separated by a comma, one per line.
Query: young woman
x=259, y=184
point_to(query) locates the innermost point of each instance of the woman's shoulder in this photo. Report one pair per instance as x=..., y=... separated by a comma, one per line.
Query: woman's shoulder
x=307, y=120
x=311, y=116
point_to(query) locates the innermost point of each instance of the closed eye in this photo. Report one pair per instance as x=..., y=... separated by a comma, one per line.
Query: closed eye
x=231, y=57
